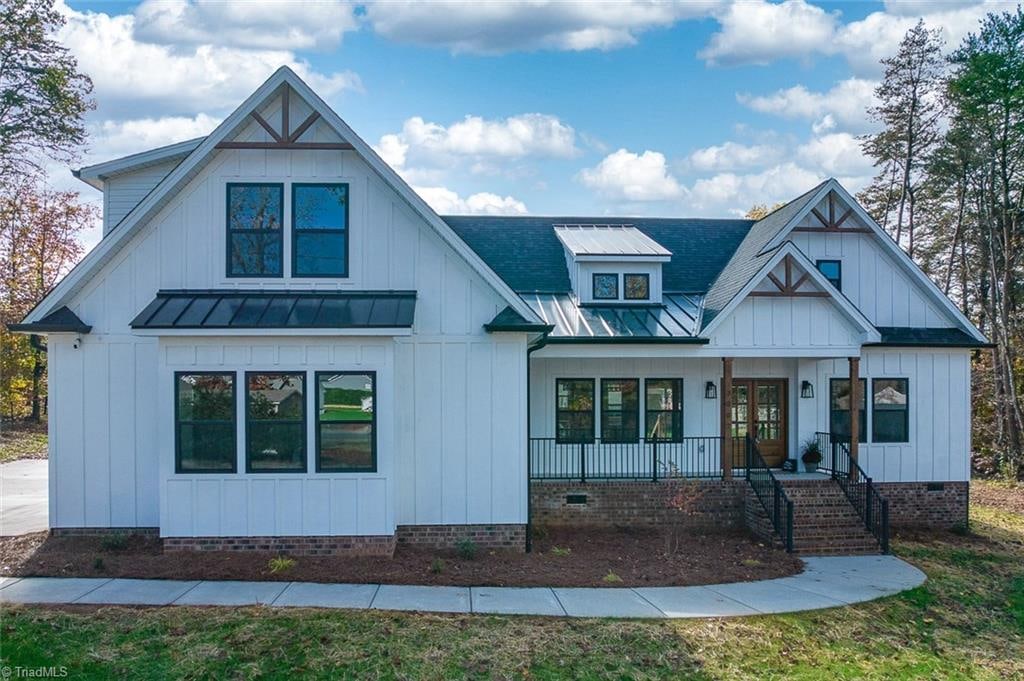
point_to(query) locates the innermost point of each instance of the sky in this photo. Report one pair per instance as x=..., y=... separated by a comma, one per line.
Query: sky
x=628, y=108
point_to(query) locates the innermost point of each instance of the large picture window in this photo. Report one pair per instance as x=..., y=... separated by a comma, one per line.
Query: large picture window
x=890, y=415
x=204, y=429
x=346, y=434
x=620, y=409
x=255, y=213
x=319, y=230
x=663, y=407
x=839, y=408
x=574, y=412
x=275, y=423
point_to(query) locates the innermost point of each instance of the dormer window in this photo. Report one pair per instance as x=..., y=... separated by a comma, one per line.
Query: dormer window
x=612, y=264
x=636, y=286
x=606, y=286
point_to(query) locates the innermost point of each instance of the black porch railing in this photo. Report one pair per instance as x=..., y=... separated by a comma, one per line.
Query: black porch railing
x=770, y=493
x=688, y=457
x=863, y=494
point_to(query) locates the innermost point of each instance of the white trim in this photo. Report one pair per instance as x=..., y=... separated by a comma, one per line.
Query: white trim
x=584, y=350
x=894, y=249
x=96, y=175
x=267, y=333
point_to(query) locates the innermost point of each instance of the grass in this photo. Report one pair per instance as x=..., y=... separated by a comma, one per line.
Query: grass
x=333, y=412
x=22, y=440
x=966, y=622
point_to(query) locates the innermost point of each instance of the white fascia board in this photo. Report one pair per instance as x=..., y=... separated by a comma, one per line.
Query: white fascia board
x=584, y=350
x=270, y=333
x=95, y=175
x=898, y=254
x=624, y=259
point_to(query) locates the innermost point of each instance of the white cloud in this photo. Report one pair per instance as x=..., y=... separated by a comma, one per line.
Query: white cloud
x=732, y=156
x=267, y=24
x=760, y=32
x=843, y=107
x=836, y=154
x=120, y=138
x=731, y=193
x=628, y=176
x=497, y=27
x=447, y=202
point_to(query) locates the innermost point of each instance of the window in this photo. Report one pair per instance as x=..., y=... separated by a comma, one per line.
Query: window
x=346, y=430
x=839, y=408
x=890, y=417
x=620, y=409
x=606, y=287
x=833, y=271
x=574, y=410
x=663, y=405
x=636, y=286
x=319, y=230
x=255, y=214
x=204, y=429
x=275, y=423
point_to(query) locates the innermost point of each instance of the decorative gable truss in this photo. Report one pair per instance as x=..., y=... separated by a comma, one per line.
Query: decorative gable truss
x=282, y=136
x=825, y=217
x=786, y=287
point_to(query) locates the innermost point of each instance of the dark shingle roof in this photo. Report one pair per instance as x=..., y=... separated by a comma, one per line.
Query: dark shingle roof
x=906, y=336
x=60, y=320
x=527, y=255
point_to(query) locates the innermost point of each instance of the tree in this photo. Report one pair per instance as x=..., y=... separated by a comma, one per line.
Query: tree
x=39, y=244
x=761, y=210
x=909, y=109
x=43, y=97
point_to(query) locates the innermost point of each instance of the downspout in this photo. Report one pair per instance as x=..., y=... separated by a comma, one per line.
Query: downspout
x=541, y=342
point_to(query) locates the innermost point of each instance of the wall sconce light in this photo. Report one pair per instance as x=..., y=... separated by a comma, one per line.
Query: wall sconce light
x=806, y=389
x=710, y=390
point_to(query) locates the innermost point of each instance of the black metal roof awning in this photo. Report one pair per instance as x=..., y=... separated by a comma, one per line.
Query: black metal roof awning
x=187, y=309
x=908, y=337
x=61, y=320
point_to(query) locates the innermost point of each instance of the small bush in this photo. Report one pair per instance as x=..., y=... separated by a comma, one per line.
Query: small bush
x=467, y=549
x=555, y=551
x=751, y=562
x=437, y=566
x=114, y=542
x=611, y=578
x=281, y=564
x=98, y=565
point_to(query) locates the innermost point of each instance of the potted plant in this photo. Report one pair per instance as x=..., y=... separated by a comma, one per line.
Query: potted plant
x=811, y=455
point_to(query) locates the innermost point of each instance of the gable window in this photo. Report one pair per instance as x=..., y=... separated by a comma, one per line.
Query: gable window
x=255, y=213
x=606, y=287
x=839, y=408
x=346, y=429
x=636, y=286
x=574, y=410
x=319, y=230
x=833, y=271
x=663, y=404
x=620, y=409
x=204, y=428
x=275, y=423
x=890, y=417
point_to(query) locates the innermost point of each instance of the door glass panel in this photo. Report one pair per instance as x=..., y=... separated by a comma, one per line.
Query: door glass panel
x=740, y=415
x=768, y=412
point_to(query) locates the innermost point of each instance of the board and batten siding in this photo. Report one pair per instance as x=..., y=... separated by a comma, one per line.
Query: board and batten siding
x=793, y=326
x=123, y=191
x=391, y=247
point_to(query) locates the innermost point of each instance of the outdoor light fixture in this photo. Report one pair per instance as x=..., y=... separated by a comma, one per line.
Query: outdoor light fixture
x=710, y=390
x=806, y=389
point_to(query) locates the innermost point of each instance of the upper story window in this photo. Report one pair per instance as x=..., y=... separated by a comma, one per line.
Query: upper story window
x=606, y=287
x=833, y=271
x=636, y=286
x=254, y=224
x=319, y=230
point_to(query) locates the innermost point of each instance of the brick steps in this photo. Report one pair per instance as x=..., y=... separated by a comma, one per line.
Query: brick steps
x=824, y=521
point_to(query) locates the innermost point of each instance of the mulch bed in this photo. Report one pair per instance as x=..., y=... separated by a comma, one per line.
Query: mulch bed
x=22, y=439
x=1005, y=496
x=561, y=558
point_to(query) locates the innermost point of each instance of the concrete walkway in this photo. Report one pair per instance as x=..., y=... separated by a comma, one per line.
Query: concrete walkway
x=825, y=583
x=23, y=494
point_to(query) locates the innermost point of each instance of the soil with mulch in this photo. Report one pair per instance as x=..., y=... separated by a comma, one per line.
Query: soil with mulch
x=1005, y=496
x=22, y=439
x=559, y=558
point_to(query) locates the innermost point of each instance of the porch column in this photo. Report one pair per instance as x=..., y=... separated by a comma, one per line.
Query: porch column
x=726, y=418
x=855, y=398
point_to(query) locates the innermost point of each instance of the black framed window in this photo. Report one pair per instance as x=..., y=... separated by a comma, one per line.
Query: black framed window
x=636, y=286
x=663, y=409
x=890, y=412
x=839, y=408
x=346, y=421
x=319, y=230
x=620, y=409
x=606, y=287
x=833, y=271
x=574, y=410
x=275, y=422
x=255, y=241
x=204, y=422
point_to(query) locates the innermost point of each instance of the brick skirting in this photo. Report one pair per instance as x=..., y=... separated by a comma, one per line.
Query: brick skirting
x=505, y=537
x=926, y=504
x=102, y=531
x=380, y=545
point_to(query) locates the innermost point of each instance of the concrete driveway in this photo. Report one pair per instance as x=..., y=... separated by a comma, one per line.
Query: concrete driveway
x=23, y=497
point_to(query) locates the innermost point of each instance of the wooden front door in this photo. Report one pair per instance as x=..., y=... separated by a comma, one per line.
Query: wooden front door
x=759, y=409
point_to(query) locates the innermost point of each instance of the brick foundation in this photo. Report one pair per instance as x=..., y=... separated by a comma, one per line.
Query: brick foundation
x=719, y=504
x=382, y=545
x=913, y=504
x=756, y=519
x=504, y=537
x=103, y=531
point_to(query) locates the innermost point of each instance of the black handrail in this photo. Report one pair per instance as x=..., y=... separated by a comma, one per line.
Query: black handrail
x=770, y=493
x=863, y=494
x=642, y=459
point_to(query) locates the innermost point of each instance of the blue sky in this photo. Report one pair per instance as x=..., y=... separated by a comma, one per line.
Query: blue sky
x=631, y=107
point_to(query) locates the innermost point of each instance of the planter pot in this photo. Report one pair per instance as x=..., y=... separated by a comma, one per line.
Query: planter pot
x=811, y=467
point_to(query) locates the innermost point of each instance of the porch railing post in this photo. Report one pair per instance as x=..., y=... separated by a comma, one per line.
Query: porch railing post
x=583, y=462
x=867, y=504
x=654, y=461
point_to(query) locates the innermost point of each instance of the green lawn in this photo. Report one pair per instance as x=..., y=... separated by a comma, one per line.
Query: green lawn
x=333, y=412
x=967, y=622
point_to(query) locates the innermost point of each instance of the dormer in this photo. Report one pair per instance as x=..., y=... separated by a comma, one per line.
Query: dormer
x=612, y=264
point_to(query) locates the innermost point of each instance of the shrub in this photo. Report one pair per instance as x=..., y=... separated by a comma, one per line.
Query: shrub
x=466, y=549
x=560, y=552
x=98, y=564
x=611, y=578
x=281, y=564
x=437, y=566
x=114, y=542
